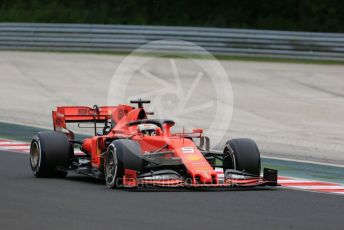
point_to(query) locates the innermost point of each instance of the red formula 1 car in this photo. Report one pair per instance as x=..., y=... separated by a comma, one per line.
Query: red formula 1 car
x=130, y=150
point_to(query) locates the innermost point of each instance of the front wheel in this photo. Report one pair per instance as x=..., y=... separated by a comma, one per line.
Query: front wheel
x=121, y=154
x=113, y=168
x=242, y=155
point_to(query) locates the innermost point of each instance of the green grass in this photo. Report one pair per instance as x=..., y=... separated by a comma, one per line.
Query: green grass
x=280, y=60
x=291, y=15
x=193, y=56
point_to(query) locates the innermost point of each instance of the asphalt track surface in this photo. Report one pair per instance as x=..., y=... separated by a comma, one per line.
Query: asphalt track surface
x=79, y=202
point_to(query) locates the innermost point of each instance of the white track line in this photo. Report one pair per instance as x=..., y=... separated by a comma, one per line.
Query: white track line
x=15, y=147
x=330, y=187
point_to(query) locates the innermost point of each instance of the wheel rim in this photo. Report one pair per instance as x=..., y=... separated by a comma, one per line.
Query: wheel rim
x=35, y=153
x=229, y=153
x=111, y=168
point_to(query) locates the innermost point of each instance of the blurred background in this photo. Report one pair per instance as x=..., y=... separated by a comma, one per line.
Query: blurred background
x=296, y=15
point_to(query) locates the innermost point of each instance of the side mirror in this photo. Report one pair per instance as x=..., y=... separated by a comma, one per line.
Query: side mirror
x=197, y=130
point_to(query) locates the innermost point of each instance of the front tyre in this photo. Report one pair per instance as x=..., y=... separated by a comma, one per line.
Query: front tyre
x=121, y=154
x=113, y=169
x=242, y=155
x=49, y=154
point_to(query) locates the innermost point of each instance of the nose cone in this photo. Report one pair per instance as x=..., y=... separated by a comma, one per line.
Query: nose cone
x=195, y=163
x=206, y=177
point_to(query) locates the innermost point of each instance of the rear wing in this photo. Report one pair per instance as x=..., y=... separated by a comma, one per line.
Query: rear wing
x=79, y=114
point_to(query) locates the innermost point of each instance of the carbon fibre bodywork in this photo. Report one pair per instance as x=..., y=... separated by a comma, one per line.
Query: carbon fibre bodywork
x=148, y=152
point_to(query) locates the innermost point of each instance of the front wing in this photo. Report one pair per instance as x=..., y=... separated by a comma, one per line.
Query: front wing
x=269, y=178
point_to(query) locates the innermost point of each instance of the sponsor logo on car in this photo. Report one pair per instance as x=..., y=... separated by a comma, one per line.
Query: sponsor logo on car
x=188, y=150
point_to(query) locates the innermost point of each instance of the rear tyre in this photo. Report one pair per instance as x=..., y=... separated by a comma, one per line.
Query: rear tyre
x=49, y=154
x=243, y=155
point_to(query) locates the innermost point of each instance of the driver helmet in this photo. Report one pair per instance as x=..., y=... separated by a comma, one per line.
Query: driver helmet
x=148, y=129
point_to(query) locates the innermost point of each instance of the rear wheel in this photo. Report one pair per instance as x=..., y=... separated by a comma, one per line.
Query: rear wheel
x=49, y=154
x=243, y=155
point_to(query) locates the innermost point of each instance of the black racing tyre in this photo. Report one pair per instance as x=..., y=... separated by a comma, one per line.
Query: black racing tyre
x=242, y=154
x=49, y=154
x=113, y=168
x=121, y=154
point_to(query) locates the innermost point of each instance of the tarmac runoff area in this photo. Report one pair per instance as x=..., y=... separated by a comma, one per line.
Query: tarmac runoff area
x=293, y=111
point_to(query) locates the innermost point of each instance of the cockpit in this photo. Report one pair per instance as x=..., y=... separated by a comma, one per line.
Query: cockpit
x=149, y=129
